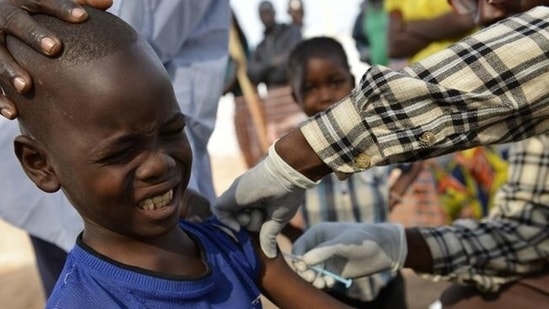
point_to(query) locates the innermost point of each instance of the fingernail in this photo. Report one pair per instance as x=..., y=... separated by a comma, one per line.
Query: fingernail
x=6, y=113
x=19, y=84
x=78, y=13
x=47, y=44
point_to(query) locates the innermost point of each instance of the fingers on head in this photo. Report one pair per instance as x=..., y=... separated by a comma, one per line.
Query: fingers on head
x=7, y=108
x=17, y=22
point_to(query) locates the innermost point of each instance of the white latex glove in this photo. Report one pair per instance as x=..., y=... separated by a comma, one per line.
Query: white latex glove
x=272, y=186
x=350, y=250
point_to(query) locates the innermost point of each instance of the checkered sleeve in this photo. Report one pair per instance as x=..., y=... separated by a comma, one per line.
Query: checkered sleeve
x=489, y=88
x=513, y=239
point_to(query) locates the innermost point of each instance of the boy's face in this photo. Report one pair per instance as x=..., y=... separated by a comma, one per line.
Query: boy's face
x=327, y=81
x=123, y=160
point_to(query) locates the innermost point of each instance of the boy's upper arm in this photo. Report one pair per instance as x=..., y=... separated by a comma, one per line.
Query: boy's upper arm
x=280, y=284
x=276, y=279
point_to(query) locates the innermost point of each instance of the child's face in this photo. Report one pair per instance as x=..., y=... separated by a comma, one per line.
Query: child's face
x=326, y=82
x=129, y=158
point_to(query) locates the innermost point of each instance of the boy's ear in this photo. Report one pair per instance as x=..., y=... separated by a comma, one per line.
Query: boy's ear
x=34, y=160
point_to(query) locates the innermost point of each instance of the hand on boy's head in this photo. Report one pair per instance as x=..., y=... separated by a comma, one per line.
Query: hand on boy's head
x=15, y=20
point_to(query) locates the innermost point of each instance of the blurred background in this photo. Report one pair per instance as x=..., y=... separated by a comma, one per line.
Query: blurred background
x=19, y=282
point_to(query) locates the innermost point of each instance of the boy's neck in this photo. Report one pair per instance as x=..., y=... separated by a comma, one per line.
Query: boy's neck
x=175, y=253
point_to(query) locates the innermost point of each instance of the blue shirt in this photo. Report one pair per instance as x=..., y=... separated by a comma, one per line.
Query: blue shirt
x=91, y=280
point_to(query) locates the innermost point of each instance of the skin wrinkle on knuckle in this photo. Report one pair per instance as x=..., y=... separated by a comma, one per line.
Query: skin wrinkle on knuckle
x=11, y=19
x=7, y=72
x=9, y=16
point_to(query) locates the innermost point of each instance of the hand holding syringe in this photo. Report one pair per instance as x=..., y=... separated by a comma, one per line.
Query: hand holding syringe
x=347, y=282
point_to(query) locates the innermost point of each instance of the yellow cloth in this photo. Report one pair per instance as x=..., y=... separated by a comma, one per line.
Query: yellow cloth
x=421, y=9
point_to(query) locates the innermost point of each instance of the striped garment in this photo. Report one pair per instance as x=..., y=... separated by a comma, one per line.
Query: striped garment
x=513, y=239
x=489, y=88
x=363, y=197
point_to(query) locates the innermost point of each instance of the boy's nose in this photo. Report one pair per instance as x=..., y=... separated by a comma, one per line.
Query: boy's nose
x=326, y=94
x=157, y=167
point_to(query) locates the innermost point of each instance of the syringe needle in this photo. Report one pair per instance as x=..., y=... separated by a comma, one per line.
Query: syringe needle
x=347, y=282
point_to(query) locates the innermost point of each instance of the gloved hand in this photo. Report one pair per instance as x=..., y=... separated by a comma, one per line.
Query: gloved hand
x=350, y=250
x=272, y=186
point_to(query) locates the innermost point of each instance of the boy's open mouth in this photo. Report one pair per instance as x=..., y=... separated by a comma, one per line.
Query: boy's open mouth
x=156, y=202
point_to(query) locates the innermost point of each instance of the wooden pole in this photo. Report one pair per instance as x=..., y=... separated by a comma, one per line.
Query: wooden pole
x=253, y=102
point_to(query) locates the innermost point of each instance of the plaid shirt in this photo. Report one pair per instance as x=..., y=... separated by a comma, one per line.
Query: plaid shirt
x=513, y=239
x=363, y=197
x=488, y=88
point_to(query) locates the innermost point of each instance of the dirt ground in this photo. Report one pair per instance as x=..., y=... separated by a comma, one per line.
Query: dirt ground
x=20, y=287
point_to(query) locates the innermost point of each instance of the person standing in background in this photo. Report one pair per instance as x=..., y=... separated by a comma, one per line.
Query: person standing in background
x=268, y=62
x=267, y=67
x=370, y=33
x=296, y=12
x=320, y=75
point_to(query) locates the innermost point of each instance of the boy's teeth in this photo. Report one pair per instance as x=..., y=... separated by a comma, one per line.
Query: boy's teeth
x=157, y=201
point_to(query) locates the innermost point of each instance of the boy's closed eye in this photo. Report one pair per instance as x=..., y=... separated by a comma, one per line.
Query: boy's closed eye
x=174, y=127
x=117, y=155
x=173, y=131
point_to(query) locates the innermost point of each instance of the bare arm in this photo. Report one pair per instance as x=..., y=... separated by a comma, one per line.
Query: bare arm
x=287, y=290
x=297, y=152
x=405, y=39
x=402, y=44
x=419, y=256
x=447, y=26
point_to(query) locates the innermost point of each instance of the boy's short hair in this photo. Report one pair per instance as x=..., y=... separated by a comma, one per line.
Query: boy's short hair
x=321, y=47
x=100, y=36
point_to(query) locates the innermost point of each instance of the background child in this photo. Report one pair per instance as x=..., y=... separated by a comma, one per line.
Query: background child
x=102, y=124
x=320, y=75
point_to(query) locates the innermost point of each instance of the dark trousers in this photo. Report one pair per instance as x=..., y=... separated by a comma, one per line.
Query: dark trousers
x=529, y=293
x=49, y=260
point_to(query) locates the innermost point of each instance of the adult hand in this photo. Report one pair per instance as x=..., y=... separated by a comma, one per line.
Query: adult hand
x=351, y=250
x=271, y=186
x=15, y=19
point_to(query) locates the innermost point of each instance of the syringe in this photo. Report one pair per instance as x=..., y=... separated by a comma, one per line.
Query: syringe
x=347, y=282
